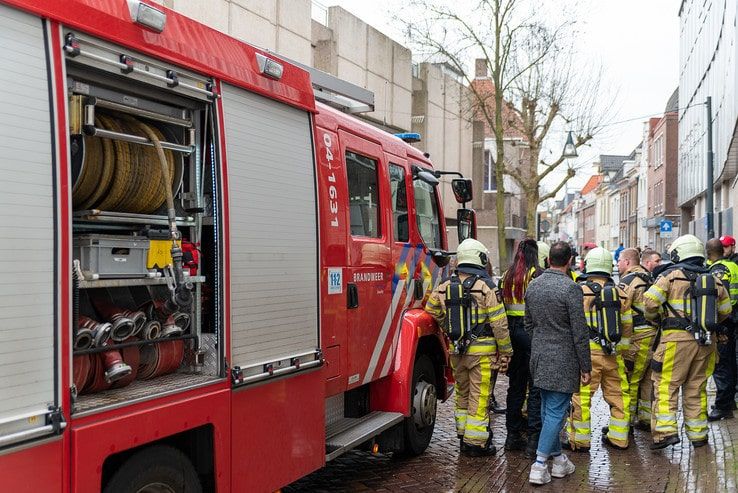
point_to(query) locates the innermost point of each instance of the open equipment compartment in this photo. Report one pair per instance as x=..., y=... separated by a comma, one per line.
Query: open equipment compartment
x=146, y=267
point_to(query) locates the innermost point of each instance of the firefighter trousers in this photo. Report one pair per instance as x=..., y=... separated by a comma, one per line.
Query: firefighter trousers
x=608, y=372
x=687, y=365
x=638, y=364
x=473, y=388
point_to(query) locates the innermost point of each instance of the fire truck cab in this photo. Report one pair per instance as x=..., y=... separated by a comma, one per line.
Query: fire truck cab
x=211, y=279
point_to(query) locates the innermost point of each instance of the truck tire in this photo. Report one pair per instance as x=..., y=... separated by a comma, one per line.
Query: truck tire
x=158, y=469
x=418, y=427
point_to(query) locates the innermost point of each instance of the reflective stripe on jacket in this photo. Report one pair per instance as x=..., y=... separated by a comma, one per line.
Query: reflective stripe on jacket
x=515, y=307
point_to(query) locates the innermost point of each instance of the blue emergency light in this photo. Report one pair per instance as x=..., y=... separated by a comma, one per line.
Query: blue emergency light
x=409, y=137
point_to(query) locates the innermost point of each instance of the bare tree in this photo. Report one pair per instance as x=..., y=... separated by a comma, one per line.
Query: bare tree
x=530, y=90
x=552, y=92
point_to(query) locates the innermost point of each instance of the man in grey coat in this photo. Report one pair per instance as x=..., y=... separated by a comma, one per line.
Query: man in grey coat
x=560, y=359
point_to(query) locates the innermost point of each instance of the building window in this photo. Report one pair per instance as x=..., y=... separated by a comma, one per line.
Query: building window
x=658, y=152
x=490, y=177
x=363, y=195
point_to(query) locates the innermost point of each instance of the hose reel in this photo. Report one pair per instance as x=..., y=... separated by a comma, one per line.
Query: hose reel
x=115, y=164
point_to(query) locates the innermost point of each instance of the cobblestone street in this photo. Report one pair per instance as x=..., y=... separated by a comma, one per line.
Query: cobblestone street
x=440, y=469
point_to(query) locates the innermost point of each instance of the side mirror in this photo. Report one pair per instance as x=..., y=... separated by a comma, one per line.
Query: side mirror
x=424, y=176
x=466, y=224
x=440, y=258
x=462, y=190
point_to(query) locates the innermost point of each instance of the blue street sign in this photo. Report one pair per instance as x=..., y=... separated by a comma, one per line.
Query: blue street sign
x=666, y=226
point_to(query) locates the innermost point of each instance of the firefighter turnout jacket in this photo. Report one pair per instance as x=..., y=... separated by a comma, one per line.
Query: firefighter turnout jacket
x=492, y=336
x=638, y=281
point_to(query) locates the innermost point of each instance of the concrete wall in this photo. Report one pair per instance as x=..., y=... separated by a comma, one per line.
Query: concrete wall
x=282, y=26
x=354, y=51
x=442, y=116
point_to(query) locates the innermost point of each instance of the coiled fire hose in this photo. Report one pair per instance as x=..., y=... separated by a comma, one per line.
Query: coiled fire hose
x=181, y=295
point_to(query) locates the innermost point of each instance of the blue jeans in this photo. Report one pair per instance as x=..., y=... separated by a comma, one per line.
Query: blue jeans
x=553, y=411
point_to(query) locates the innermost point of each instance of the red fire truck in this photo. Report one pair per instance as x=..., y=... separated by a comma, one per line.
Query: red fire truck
x=209, y=280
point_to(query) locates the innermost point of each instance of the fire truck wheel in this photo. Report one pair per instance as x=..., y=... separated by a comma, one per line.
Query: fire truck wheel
x=158, y=469
x=419, y=426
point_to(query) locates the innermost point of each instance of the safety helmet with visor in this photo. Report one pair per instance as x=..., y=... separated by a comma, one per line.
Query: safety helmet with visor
x=598, y=260
x=686, y=247
x=471, y=251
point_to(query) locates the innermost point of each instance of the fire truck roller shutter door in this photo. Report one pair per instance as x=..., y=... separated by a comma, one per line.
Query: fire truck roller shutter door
x=273, y=221
x=28, y=318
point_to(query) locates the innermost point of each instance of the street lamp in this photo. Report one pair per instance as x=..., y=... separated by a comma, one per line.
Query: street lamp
x=570, y=150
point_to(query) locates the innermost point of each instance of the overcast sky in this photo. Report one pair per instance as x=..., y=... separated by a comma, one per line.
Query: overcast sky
x=636, y=42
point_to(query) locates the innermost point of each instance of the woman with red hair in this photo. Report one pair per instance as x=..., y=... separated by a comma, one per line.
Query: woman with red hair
x=514, y=283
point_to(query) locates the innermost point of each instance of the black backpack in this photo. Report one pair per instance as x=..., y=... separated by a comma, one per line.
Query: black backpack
x=702, y=298
x=608, y=329
x=462, y=310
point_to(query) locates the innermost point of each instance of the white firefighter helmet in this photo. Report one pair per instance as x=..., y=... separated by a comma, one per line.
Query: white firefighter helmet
x=685, y=247
x=543, y=252
x=598, y=260
x=473, y=252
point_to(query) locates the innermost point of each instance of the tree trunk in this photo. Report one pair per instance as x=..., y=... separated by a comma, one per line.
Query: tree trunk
x=500, y=206
x=531, y=211
x=532, y=192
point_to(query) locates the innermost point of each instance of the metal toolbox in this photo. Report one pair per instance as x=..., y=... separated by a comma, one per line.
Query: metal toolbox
x=110, y=256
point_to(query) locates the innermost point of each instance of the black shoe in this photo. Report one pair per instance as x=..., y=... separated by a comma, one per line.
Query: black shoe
x=718, y=414
x=566, y=445
x=643, y=426
x=610, y=443
x=606, y=429
x=699, y=443
x=531, y=447
x=477, y=451
x=515, y=442
x=497, y=408
x=462, y=445
x=670, y=440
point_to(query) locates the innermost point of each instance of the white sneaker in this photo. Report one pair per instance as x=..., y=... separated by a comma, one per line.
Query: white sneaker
x=562, y=467
x=539, y=474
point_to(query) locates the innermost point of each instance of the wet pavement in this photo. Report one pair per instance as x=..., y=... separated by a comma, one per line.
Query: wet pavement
x=713, y=468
